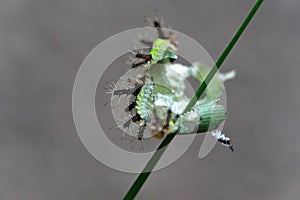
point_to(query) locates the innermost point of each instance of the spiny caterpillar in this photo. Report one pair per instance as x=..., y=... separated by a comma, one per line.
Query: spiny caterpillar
x=157, y=99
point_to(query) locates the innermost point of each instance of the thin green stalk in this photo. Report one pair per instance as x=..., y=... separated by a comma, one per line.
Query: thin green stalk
x=131, y=194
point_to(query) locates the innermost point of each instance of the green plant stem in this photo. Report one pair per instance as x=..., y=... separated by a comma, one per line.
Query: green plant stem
x=131, y=194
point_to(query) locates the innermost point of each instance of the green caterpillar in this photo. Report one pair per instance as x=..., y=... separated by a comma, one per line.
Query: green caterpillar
x=159, y=99
x=145, y=99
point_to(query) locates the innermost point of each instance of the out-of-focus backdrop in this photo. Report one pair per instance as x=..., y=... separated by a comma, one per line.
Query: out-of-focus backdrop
x=42, y=44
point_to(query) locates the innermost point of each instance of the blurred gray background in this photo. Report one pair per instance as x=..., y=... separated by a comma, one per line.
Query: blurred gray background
x=42, y=44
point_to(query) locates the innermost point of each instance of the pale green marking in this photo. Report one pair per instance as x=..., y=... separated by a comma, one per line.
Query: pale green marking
x=162, y=51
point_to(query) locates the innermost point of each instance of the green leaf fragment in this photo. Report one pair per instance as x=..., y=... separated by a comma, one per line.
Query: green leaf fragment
x=212, y=115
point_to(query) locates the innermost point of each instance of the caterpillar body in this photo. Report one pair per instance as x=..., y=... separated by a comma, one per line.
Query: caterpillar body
x=158, y=99
x=145, y=99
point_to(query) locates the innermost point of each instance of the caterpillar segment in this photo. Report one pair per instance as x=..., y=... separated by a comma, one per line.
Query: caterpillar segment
x=224, y=140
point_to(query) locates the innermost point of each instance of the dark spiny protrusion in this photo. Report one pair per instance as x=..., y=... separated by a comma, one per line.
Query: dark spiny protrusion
x=127, y=124
x=137, y=91
x=134, y=65
x=147, y=57
x=227, y=142
x=175, y=118
x=172, y=60
x=168, y=118
x=136, y=118
x=122, y=91
x=152, y=78
x=141, y=132
x=130, y=107
x=156, y=24
x=166, y=125
x=143, y=78
x=160, y=32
